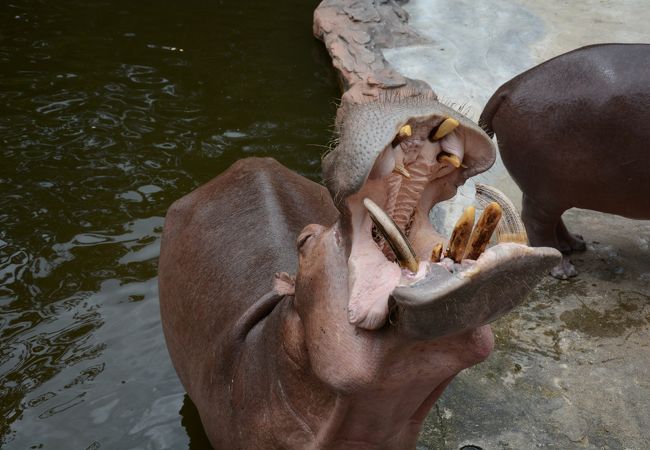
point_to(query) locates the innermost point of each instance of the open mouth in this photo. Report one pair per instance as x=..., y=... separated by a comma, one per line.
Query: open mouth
x=432, y=285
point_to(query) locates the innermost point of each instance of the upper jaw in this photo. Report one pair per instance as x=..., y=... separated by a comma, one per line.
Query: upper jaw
x=367, y=130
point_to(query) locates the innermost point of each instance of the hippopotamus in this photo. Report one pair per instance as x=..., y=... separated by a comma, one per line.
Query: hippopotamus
x=573, y=132
x=302, y=316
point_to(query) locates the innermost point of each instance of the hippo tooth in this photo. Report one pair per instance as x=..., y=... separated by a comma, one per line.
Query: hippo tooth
x=405, y=131
x=460, y=235
x=399, y=168
x=511, y=228
x=483, y=230
x=445, y=128
x=401, y=247
x=452, y=146
x=436, y=253
x=451, y=159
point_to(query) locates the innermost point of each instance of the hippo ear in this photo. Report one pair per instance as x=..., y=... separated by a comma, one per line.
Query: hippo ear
x=284, y=284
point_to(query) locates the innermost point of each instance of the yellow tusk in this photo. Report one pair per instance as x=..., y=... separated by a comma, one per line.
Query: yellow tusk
x=436, y=253
x=451, y=159
x=445, y=128
x=405, y=131
x=399, y=168
x=483, y=230
x=460, y=235
x=510, y=228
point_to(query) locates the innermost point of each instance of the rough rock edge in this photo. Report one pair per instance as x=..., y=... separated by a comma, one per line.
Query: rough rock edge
x=354, y=34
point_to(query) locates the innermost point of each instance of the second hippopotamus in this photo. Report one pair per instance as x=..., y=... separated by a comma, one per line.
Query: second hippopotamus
x=573, y=132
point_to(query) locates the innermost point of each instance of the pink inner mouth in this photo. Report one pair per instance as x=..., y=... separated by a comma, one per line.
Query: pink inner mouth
x=406, y=197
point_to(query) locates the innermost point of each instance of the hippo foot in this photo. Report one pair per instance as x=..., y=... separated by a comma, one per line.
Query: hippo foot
x=569, y=242
x=564, y=270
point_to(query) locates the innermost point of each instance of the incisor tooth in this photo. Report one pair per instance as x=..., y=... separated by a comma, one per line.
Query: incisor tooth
x=399, y=168
x=510, y=228
x=451, y=159
x=460, y=235
x=445, y=128
x=401, y=247
x=436, y=253
x=405, y=131
x=483, y=230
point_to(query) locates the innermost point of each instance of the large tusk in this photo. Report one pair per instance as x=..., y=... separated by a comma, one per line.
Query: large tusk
x=483, y=230
x=460, y=235
x=511, y=228
x=401, y=247
x=445, y=128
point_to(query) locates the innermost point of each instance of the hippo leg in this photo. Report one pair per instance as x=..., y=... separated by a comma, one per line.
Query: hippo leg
x=545, y=228
x=541, y=222
x=568, y=241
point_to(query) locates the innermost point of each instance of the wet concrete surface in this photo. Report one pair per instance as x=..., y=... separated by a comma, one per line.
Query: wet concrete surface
x=570, y=366
x=569, y=370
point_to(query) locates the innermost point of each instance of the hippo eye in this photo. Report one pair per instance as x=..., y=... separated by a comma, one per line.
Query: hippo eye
x=303, y=238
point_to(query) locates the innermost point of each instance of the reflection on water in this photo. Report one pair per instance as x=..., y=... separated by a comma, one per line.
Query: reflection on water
x=110, y=111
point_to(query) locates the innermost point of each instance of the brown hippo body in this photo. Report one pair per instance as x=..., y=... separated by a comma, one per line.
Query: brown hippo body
x=354, y=351
x=573, y=132
x=222, y=246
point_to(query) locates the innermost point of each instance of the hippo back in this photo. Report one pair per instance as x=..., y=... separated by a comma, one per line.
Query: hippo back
x=221, y=246
x=574, y=129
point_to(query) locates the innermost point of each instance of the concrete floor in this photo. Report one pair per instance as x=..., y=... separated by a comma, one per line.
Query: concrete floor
x=570, y=367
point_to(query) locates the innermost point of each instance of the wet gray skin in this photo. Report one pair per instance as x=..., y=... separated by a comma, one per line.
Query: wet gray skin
x=389, y=151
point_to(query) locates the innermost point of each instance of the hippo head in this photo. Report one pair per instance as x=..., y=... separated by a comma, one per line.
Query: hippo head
x=395, y=159
x=388, y=319
x=383, y=312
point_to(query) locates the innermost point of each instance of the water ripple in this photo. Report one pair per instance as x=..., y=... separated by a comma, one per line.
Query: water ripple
x=110, y=113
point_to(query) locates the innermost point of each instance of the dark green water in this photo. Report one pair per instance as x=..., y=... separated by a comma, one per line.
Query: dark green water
x=109, y=112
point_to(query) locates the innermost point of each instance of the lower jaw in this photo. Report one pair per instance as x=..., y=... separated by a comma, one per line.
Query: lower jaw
x=440, y=283
x=472, y=294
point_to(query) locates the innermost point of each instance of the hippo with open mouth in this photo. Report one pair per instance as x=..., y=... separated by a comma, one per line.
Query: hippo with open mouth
x=349, y=339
